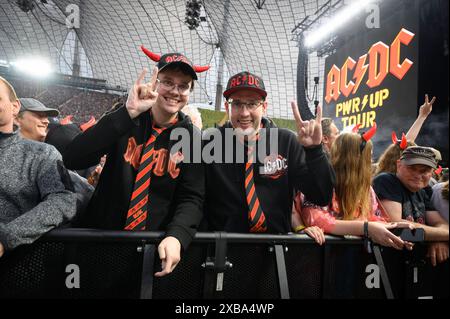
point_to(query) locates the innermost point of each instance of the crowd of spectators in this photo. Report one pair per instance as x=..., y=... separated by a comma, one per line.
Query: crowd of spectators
x=363, y=200
x=81, y=103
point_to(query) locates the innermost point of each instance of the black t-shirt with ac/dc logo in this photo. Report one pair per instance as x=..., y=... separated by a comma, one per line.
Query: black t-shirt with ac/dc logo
x=414, y=205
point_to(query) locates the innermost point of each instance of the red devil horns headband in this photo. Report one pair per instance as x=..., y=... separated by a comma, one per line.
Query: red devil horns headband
x=88, y=124
x=200, y=68
x=355, y=128
x=403, y=143
x=370, y=133
x=66, y=120
x=156, y=57
x=367, y=136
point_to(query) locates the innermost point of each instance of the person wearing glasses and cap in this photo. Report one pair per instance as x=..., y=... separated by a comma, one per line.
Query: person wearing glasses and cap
x=143, y=186
x=255, y=193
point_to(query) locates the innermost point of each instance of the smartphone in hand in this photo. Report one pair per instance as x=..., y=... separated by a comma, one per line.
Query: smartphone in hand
x=412, y=235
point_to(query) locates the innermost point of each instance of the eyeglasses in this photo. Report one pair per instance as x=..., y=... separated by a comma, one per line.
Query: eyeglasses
x=168, y=85
x=239, y=105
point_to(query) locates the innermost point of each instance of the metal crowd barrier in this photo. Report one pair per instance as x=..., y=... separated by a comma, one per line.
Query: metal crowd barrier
x=86, y=263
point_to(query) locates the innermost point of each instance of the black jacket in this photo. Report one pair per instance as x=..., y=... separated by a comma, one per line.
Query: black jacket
x=175, y=200
x=307, y=170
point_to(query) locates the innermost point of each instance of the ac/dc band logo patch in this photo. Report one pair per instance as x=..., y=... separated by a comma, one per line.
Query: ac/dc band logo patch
x=274, y=167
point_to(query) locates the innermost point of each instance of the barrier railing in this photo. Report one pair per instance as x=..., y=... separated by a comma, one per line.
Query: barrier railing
x=86, y=263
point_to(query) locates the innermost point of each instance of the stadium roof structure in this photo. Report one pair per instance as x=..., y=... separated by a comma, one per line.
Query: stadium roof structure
x=254, y=35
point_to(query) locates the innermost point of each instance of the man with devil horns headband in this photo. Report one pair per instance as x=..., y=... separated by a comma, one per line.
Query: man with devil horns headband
x=255, y=194
x=143, y=185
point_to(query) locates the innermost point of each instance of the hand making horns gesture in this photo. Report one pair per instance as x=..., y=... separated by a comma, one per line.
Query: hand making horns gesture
x=142, y=95
x=309, y=133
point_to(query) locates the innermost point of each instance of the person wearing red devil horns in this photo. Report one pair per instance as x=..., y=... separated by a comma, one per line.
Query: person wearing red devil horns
x=254, y=193
x=354, y=209
x=387, y=162
x=143, y=186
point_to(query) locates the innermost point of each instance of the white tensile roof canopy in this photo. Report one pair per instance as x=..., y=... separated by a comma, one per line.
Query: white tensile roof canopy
x=254, y=35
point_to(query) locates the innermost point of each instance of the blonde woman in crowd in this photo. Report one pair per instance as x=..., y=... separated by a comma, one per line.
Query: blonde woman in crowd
x=354, y=209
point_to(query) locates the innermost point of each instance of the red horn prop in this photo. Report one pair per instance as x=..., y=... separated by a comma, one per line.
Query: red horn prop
x=404, y=142
x=88, y=124
x=394, y=138
x=155, y=57
x=199, y=68
x=438, y=170
x=370, y=133
x=355, y=129
x=66, y=120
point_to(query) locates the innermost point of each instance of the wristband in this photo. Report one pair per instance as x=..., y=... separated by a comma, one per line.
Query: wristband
x=366, y=229
x=366, y=237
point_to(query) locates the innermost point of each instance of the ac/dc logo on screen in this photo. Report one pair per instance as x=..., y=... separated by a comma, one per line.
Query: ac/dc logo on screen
x=382, y=60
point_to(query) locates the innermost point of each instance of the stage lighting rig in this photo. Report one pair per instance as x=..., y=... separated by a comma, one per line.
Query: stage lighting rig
x=193, y=13
x=26, y=5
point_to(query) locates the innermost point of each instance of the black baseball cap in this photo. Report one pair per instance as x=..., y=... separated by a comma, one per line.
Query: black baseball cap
x=174, y=59
x=245, y=80
x=30, y=104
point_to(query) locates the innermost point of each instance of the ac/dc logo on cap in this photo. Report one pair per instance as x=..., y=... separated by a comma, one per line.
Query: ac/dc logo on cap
x=176, y=58
x=245, y=79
